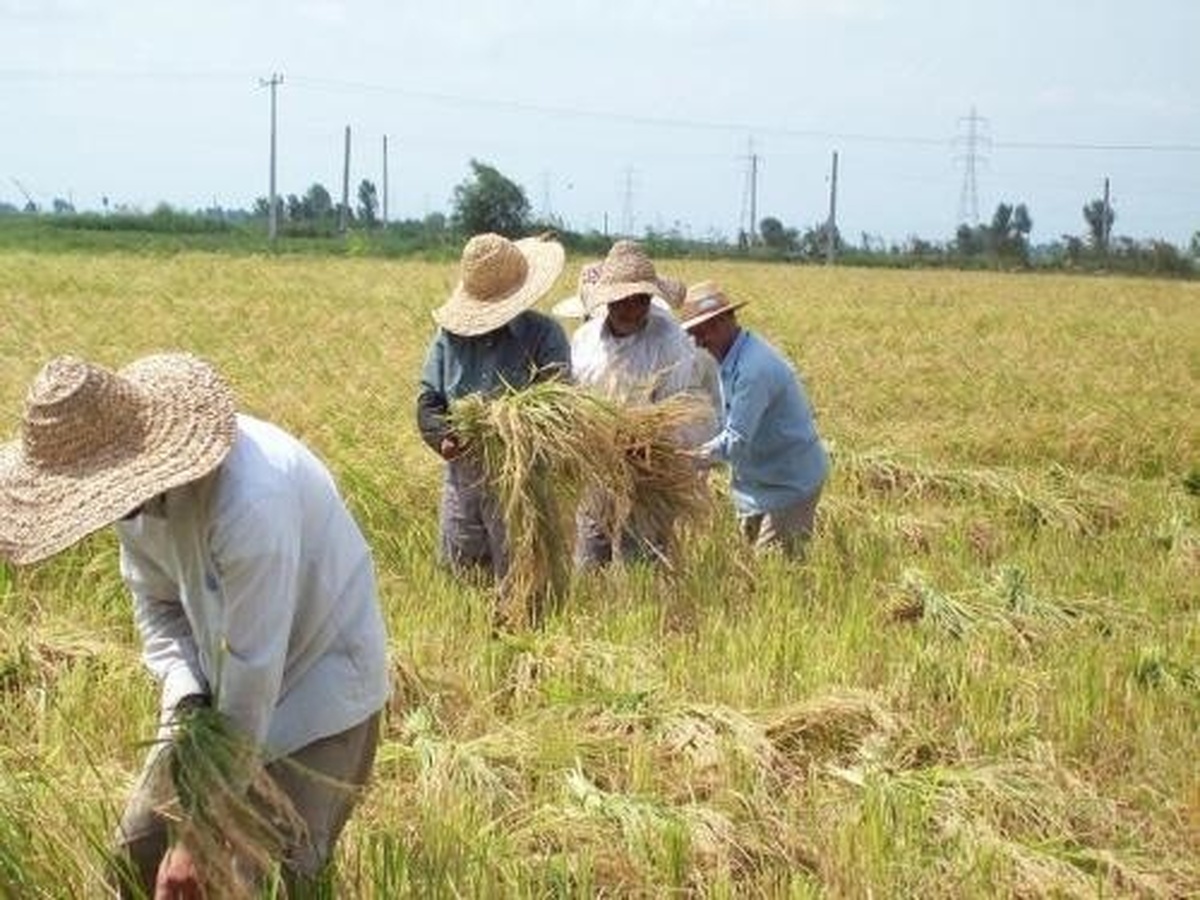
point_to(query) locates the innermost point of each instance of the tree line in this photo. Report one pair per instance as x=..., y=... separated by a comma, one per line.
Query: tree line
x=487, y=200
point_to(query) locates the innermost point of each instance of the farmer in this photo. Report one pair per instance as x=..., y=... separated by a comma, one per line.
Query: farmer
x=488, y=340
x=253, y=588
x=777, y=462
x=632, y=350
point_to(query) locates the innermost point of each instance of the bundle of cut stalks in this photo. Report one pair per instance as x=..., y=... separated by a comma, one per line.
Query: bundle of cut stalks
x=225, y=808
x=550, y=446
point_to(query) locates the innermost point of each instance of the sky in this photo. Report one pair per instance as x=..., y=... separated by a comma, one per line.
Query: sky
x=621, y=115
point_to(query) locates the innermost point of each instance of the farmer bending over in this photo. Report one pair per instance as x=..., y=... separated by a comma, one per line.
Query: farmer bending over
x=253, y=589
x=777, y=462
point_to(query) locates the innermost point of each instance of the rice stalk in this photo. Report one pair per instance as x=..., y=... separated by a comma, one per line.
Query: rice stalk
x=919, y=600
x=1055, y=498
x=830, y=728
x=224, y=805
x=548, y=447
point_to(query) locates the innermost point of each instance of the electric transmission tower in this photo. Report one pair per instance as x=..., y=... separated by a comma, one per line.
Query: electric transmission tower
x=627, y=204
x=273, y=208
x=750, y=197
x=973, y=140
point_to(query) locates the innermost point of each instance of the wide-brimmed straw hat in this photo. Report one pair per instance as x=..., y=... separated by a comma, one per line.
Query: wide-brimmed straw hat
x=626, y=271
x=499, y=279
x=95, y=445
x=576, y=306
x=704, y=301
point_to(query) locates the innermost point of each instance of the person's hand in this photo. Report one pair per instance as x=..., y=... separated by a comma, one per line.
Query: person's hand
x=450, y=448
x=178, y=878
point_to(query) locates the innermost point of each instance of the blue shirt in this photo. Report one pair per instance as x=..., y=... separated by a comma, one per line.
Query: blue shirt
x=769, y=438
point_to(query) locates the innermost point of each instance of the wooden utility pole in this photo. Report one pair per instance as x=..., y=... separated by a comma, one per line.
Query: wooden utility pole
x=273, y=203
x=831, y=224
x=344, y=213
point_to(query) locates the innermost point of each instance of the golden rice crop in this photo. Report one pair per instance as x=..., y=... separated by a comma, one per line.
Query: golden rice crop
x=547, y=447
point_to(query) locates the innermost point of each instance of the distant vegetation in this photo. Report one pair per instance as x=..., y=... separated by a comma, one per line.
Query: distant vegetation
x=488, y=201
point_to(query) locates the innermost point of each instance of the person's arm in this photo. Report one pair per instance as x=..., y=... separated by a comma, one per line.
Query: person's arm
x=751, y=394
x=552, y=354
x=433, y=404
x=168, y=645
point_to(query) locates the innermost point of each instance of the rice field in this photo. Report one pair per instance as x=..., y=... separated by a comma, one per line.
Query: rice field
x=984, y=682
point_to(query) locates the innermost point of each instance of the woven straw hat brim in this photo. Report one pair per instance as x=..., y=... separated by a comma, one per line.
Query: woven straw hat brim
x=604, y=294
x=689, y=324
x=571, y=307
x=469, y=316
x=190, y=424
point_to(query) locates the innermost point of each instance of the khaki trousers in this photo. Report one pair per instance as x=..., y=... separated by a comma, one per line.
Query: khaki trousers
x=789, y=528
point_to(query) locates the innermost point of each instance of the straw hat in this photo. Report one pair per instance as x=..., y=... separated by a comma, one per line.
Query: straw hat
x=95, y=445
x=674, y=292
x=499, y=279
x=627, y=270
x=704, y=301
x=576, y=306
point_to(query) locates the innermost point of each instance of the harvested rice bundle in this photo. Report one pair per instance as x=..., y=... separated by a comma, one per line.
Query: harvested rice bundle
x=224, y=805
x=547, y=446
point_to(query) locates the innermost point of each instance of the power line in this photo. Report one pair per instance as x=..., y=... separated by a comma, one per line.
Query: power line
x=580, y=112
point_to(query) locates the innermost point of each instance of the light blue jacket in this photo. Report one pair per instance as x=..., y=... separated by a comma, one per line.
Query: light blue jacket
x=769, y=438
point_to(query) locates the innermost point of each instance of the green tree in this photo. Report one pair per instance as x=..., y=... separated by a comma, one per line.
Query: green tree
x=368, y=203
x=487, y=201
x=775, y=235
x=318, y=204
x=1099, y=217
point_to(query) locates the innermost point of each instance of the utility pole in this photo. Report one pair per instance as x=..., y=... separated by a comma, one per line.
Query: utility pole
x=968, y=201
x=344, y=212
x=831, y=225
x=385, y=182
x=273, y=204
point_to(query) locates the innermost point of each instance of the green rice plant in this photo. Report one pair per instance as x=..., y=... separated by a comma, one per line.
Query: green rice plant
x=1156, y=669
x=917, y=599
x=1045, y=830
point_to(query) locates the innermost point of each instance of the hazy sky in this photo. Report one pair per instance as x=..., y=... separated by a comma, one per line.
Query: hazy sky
x=619, y=112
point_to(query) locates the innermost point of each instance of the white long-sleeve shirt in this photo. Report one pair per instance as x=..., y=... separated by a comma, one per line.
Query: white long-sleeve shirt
x=649, y=365
x=255, y=584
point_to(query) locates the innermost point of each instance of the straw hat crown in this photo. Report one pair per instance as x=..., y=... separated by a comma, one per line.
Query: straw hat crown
x=577, y=306
x=705, y=300
x=96, y=444
x=498, y=279
x=627, y=270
